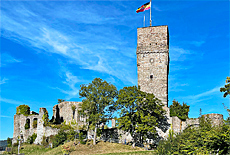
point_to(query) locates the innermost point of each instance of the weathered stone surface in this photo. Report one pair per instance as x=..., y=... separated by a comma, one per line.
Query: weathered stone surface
x=153, y=61
x=63, y=111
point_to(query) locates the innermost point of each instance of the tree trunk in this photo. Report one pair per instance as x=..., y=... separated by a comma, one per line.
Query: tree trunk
x=95, y=134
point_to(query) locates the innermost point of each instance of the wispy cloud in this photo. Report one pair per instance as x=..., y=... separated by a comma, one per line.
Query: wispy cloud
x=10, y=101
x=83, y=48
x=179, y=54
x=192, y=99
x=71, y=81
x=197, y=43
x=7, y=59
x=2, y=81
x=5, y=116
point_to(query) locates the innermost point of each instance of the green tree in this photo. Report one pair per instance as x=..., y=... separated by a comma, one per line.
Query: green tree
x=181, y=111
x=226, y=88
x=98, y=100
x=140, y=113
x=9, y=142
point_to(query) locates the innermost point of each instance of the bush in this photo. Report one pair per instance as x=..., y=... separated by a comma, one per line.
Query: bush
x=71, y=135
x=59, y=138
x=32, y=138
x=23, y=109
x=44, y=141
x=181, y=111
x=81, y=138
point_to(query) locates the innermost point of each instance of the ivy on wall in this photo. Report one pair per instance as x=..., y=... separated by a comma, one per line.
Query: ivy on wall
x=45, y=117
x=23, y=109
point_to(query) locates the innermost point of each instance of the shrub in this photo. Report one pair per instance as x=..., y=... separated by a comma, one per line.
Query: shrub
x=181, y=111
x=32, y=138
x=59, y=138
x=81, y=138
x=44, y=141
x=71, y=135
x=23, y=109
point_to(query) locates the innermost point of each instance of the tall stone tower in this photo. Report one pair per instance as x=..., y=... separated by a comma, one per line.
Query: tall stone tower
x=153, y=61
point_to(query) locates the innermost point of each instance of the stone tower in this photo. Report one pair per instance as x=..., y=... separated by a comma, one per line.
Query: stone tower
x=153, y=61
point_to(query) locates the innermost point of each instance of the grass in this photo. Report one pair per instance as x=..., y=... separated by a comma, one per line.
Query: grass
x=104, y=148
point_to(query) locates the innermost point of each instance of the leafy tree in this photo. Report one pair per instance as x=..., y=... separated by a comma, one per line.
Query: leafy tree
x=97, y=104
x=141, y=113
x=181, y=111
x=205, y=139
x=9, y=142
x=226, y=88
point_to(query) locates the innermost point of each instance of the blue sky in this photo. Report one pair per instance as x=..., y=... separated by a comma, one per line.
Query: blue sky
x=50, y=48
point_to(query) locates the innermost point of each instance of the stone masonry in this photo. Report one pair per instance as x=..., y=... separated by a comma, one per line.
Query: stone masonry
x=153, y=69
x=153, y=61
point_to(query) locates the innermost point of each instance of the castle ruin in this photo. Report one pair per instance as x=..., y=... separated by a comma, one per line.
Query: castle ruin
x=153, y=70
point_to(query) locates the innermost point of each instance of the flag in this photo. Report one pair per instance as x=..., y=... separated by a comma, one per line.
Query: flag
x=143, y=7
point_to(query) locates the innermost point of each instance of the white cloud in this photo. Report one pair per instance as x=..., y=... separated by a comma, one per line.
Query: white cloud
x=192, y=99
x=5, y=116
x=2, y=81
x=7, y=59
x=80, y=47
x=10, y=101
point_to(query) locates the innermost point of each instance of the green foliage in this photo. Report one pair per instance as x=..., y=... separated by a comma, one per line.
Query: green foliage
x=71, y=134
x=32, y=138
x=23, y=109
x=181, y=111
x=45, y=141
x=45, y=117
x=226, y=88
x=140, y=113
x=59, y=138
x=27, y=125
x=73, y=107
x=98, y=100
x=35, y=123
x=81, y=138
x=9, y=142
x=60, y=100
x=204, y=139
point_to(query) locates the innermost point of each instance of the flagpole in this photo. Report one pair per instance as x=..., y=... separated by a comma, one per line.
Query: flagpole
x=144, y=20
x=150, y=13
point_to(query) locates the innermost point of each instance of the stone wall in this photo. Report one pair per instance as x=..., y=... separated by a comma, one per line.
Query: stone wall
x=19, y=127
x=63, y=111
x=153, y=61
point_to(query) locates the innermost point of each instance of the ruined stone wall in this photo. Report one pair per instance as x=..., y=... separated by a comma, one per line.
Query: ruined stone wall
x=63, y=111
x=42, y=130
x=153, y=61
x=217, y=119
x=19, y=127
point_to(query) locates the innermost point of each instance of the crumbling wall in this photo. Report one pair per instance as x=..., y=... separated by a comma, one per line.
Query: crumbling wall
x=19, y=127
x=63, y=111
x=42, y=130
